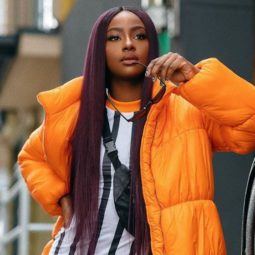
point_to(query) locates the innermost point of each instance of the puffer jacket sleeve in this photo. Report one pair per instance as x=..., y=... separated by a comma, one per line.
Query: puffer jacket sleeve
x=45, y=185
x=227, y=105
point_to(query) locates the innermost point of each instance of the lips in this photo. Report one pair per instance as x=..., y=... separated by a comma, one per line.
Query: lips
x=129, y=60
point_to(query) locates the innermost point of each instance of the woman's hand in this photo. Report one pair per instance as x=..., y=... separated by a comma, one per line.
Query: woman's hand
x=67, y=210
x=173, y=67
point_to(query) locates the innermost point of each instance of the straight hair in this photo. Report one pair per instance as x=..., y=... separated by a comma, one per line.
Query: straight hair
x=86, y=139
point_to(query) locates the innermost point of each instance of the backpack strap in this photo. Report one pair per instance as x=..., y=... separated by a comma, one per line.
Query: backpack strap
x=109, y=143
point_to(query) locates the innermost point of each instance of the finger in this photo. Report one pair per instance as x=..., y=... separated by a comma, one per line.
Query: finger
x=149, y=67
x=189, y=70
x=153, y=63
x=173, y=67
x=178, y=77
x=184, y=74
x=169, y=66
x=156, y=69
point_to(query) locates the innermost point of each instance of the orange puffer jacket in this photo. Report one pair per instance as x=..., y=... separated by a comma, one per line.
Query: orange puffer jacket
x=214, y=111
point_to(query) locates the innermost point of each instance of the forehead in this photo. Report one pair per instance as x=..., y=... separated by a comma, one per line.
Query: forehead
x=125, y=19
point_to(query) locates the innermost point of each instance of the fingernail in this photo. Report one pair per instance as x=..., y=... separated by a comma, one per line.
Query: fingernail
x=153, y=79
x=146, y=73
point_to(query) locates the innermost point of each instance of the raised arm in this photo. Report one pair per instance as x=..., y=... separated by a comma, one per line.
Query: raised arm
x=227, y=104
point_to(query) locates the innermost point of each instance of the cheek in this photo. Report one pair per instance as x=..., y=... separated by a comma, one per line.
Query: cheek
x=143, y=51
x=112, y=56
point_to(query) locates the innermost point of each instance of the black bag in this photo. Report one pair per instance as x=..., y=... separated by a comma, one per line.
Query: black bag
x=121, y=181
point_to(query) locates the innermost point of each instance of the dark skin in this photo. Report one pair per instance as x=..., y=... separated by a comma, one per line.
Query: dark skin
x=126, y=44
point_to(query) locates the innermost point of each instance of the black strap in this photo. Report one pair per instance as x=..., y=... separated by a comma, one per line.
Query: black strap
x=109, y=143
x=121, y=179
x=107, y=186
x=59, y=243
x=115, y=242
x=73, y=246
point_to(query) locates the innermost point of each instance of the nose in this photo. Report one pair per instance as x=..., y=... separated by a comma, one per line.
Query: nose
x=128, y=44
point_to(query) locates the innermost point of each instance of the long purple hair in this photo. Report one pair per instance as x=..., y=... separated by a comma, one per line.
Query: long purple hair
x=86, y=139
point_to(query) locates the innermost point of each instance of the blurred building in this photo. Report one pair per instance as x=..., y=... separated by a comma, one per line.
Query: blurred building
x=30, y=61
x=42, y=45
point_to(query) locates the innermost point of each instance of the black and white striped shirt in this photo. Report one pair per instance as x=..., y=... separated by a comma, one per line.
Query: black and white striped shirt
x=112, y=237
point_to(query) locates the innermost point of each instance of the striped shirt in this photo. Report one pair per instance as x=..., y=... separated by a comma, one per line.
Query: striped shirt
x=112, y=238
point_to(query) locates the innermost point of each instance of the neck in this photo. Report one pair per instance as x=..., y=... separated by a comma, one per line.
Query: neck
x=126, y=90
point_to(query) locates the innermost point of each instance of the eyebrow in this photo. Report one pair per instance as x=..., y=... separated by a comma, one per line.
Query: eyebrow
x=120, y=29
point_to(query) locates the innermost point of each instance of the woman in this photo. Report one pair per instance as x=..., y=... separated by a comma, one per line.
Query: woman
x=155, y=193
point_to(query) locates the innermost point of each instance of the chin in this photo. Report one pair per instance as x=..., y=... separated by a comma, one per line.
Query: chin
x=128, y=72
x=134, y=75
x=132, y=72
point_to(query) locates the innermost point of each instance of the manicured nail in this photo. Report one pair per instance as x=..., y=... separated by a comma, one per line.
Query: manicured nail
x=153, y=79
x=147, y=74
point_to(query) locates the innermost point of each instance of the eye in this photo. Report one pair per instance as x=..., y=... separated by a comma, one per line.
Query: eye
x=113, y=38
x=141, y=36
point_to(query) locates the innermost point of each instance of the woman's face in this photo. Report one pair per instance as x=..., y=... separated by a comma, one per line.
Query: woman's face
x=126, y=43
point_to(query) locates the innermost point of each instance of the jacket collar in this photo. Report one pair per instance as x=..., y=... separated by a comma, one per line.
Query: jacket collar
x=59, y=98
